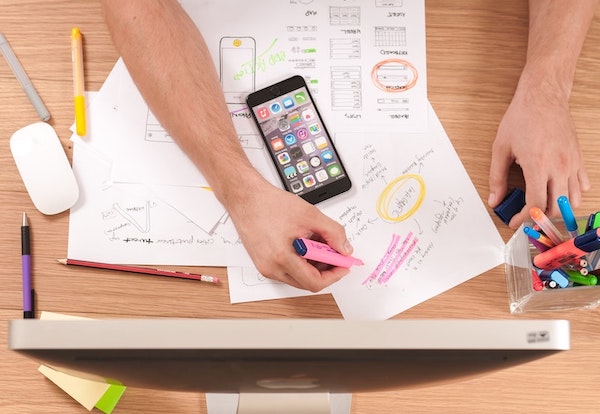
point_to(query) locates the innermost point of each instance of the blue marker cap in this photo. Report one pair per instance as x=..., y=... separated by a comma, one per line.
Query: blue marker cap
x=534, y=234
x=511, y=205
x=300, y=247
x=588, y=241
x=557, y=275
x=567, y=213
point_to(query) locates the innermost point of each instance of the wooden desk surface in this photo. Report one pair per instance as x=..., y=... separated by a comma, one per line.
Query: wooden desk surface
x=475, y=50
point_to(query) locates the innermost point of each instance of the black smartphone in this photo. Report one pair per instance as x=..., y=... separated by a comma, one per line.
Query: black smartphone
x=297, y=140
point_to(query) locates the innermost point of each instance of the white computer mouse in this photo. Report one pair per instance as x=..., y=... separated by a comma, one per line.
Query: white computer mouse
x=44, y=168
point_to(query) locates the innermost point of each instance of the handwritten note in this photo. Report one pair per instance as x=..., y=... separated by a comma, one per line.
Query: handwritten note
x=415, y=219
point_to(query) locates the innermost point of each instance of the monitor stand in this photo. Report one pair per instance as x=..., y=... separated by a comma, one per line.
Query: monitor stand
x=289, y=403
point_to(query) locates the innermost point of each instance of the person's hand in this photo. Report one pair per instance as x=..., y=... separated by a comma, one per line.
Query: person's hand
x=268, y=220
x=537, y=133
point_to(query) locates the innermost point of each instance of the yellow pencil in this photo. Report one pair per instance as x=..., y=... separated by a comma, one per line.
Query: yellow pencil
x=78, y=82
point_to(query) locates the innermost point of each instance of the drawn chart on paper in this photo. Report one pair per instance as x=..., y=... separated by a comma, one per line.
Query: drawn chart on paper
x=346, y=88
x=344, y=16
x=344, y=48
x=390, y=36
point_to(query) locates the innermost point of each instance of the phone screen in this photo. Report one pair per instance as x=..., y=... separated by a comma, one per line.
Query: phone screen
x=297, y=140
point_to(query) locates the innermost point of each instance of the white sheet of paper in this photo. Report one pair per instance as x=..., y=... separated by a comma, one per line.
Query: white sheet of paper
x=365, y=65
x=365, y=61
x=416, y=221
x=246, y=284
x=130, y=224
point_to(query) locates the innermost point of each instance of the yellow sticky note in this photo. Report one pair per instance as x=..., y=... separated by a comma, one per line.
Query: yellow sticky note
x=87, y=389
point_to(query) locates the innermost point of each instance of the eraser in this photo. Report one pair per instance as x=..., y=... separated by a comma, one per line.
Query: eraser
x=511, y=205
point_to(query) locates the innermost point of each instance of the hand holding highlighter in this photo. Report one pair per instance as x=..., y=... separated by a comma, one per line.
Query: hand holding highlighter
x=321, y=252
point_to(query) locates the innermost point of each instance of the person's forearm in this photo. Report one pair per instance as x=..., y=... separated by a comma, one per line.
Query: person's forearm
x=172, y=68
x=557, y=30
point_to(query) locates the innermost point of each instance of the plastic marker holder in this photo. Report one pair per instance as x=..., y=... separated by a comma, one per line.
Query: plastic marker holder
x=321, y=252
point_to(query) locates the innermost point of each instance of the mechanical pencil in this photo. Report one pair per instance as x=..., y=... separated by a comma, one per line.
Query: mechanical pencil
x=28, y=292
x=142, y=270
x=321, y=252
x=546, y=225
x=23, y=79
x=567, y=214
x=569, y=251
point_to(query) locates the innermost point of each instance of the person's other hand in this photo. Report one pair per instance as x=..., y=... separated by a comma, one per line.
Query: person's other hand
x=268, y=220
x=537, y=133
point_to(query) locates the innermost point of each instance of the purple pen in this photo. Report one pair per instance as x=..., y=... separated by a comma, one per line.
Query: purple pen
x=28, y=312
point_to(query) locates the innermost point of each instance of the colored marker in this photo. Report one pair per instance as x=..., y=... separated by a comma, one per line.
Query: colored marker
x=596, y=223
x=557, y=275
x=590, y=222
x=576, y=277
x=321, y=252
x=536, y=235
x=537, y=282
x=568, y=252
x=538, y=246
x=78, y=82
x=568, y=217
x=546, y=225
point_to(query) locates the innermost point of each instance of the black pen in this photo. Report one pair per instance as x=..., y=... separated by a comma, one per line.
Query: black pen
x=28, y=292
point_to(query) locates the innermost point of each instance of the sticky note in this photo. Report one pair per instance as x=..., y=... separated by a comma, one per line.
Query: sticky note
x=87, y=389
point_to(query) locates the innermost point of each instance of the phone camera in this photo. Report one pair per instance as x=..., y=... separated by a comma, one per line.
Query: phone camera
x=275, y=90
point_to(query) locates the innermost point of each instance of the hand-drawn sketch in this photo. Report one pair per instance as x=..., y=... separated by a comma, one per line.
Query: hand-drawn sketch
x=237, y=67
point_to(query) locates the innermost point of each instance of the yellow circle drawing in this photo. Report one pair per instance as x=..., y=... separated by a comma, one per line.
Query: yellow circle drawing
x=388, y=195
x=237, y=42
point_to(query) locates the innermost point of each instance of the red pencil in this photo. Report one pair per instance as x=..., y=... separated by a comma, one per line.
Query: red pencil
x=143, y=270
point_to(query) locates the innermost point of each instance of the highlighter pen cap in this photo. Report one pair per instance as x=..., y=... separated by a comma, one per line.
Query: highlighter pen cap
x=588, y=241
x=300, y=247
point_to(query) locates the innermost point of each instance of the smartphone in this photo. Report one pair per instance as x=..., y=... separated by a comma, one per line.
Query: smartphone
x=297, y=140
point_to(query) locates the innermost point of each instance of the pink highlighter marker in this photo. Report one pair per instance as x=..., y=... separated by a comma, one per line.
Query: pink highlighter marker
x=321, y=252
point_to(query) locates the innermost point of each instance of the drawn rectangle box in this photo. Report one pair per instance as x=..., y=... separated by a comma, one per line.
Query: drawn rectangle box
x=519, y=253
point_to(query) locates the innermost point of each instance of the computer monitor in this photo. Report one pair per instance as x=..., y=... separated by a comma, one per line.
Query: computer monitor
x=312, y=357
